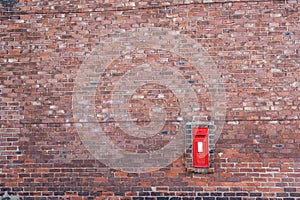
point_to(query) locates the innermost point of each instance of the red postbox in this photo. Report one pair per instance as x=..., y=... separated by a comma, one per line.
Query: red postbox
x=200, y=147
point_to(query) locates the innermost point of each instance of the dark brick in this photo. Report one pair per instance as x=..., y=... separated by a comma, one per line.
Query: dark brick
x=209, y=198
x=97, y=193
x=144, y=193
x=229, y=194
x=282, y=194
x=222, y=189
x=289, y=189
x=17, y=189
x=188, y=198
x=59, y=193
x=156, y=193
x=218, y=194
x=202, y=194
x=41, y=198
x=162, y=198
x=5, y=189
x=235, y=198
x=175, y=198
x=28, y=198
x=138, y=198
x=296, y=194
x=137, y=189
x=83, y=193
x=149, y=198
x=242, y=194
x=119, y=193
x=256, y=194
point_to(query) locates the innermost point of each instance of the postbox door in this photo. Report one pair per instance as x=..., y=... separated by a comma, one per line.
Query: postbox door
x=200, y=147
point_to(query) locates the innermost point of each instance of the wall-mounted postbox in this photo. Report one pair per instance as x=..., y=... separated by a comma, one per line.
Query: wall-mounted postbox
x=200, y=147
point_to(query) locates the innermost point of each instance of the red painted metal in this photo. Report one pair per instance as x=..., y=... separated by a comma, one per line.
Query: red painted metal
x=200, y=147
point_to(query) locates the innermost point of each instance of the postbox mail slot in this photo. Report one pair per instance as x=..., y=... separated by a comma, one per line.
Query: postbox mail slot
x=200, y=147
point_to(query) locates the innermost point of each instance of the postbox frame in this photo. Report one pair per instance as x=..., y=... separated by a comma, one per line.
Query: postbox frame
x=189, y=146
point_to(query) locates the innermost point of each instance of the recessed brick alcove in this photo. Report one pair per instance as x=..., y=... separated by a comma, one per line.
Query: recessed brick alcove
x=189, y=146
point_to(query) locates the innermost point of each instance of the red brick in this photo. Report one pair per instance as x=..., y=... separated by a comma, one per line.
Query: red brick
x=254, y=45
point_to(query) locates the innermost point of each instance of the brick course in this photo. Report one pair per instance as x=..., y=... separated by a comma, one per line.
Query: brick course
x=255, y=46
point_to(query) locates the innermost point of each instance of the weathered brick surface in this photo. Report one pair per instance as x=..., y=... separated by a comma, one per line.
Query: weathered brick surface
x=255, y=46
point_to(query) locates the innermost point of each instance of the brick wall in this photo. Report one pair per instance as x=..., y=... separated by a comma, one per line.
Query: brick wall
x=250, y=47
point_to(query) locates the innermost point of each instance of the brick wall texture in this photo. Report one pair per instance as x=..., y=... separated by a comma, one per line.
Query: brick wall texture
x=254, y=46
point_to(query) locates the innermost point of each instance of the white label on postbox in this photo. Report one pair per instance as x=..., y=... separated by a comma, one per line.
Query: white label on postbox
x=200, y=147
